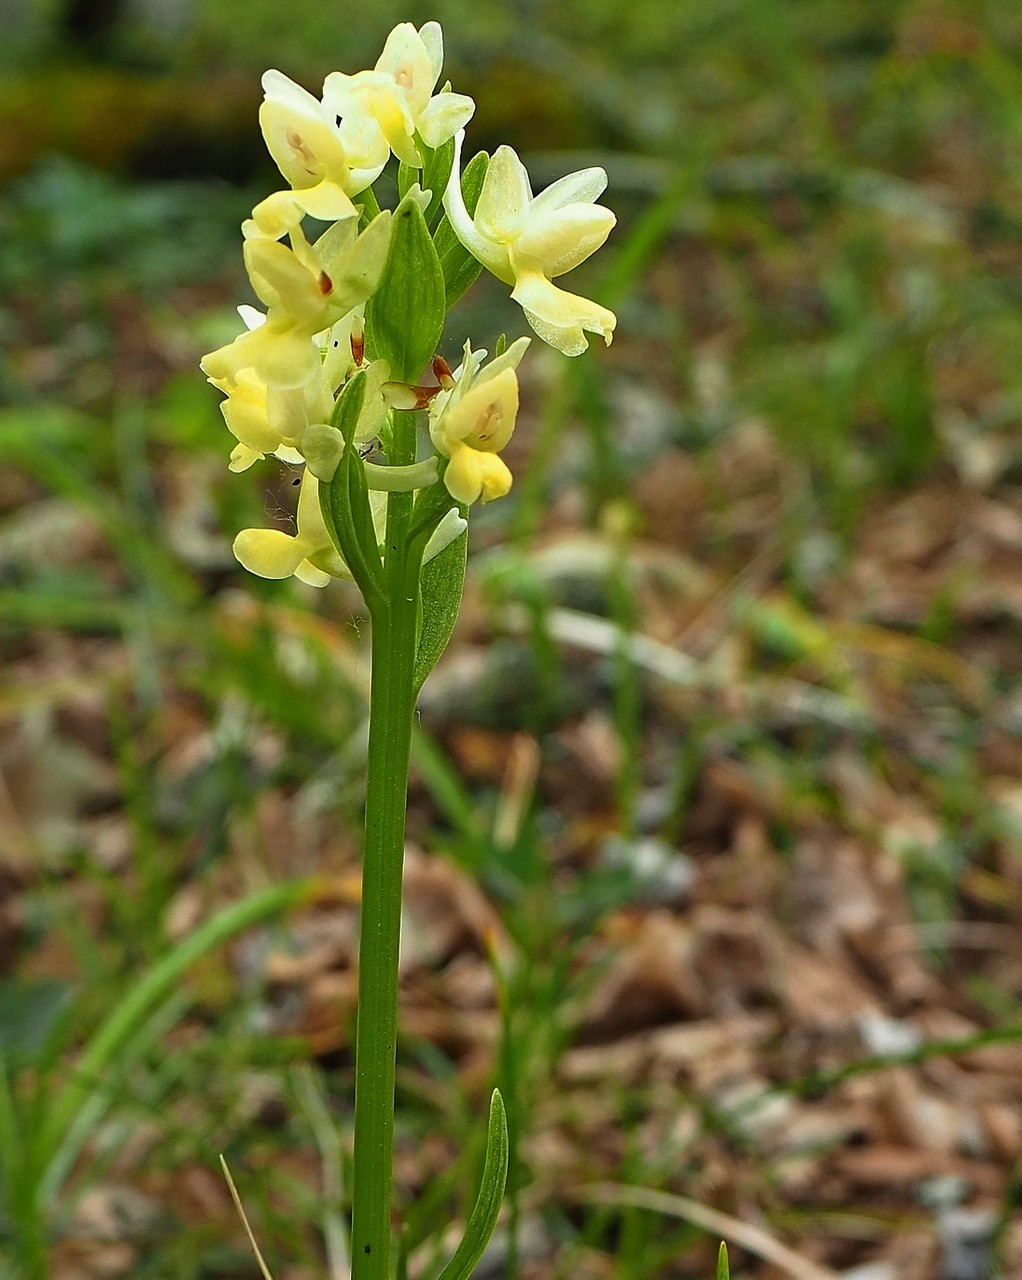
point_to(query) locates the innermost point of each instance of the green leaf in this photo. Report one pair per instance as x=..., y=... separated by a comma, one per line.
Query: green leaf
x=344, y=501
x=405, y=316
x=78, y=1106
x=723, y=1269
x=460, y=269
x=433, y=176
x=10, y=1129
x=443, y=580
x=436, y=173
x=491, y=1193
x=368, y=204
x=407, y=177
x=355, y=499
x=30, y=1012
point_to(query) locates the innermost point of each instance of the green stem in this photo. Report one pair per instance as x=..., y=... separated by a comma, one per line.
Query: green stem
x=391, y=708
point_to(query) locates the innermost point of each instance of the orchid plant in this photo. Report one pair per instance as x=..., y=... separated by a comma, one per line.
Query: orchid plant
x=341, y=375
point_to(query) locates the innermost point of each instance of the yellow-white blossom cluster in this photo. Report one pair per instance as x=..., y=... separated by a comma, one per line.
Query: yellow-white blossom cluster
x=283, y=374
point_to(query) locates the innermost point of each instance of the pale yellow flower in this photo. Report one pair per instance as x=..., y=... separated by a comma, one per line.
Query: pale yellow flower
x=397, y=95
x=527, y=240
x=473, y=419
x=306, y=289
x=274, y=420
x=308, y=554
x=326, y=161
x=270, y=419
x=322, y=444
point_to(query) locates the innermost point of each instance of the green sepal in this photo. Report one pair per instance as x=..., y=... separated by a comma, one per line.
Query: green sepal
x=405, y=316
x=344, y=501
x=442, y=585
x=460, y=269
x=491, y=1193
x=723, y=1268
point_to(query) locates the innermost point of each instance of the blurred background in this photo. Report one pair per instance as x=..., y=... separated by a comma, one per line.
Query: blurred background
x=716, y=813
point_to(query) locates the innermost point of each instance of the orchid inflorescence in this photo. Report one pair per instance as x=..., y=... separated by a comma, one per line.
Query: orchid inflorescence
x=357, y=305
x=341, y=375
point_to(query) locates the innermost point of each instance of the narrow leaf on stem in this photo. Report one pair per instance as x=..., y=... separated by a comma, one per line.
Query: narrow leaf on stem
x=436, y=173
x=443, y=581
x=491, y=1193
x=345, y=500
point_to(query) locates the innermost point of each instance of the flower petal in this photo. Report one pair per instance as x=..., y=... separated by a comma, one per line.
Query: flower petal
x=511, y=359
x=451, y=527
x=270, y=553
x=559, y=317
x=493, y=256
x=504, y=199
x=471, y=474
x=250, y=316
x=301, y=135
x=444, y=116
x=484, y=417
x=432, y=37
x=322, y=446
x=326, y=201
x=247, y=421
x=338, y=358
x=575, y=188
x=557, y=240
x=282, y=280
x=279, y=356
x=310, y=575
x=406, y=59
x=356, y=275
x=242, y=458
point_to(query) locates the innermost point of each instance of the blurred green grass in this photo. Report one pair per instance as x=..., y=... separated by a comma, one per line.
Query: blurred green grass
x=818, y=254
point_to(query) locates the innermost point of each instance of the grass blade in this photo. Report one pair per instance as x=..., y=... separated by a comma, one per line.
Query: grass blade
x=113, y=1037
x=491, y=1193
x=244, y=1221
